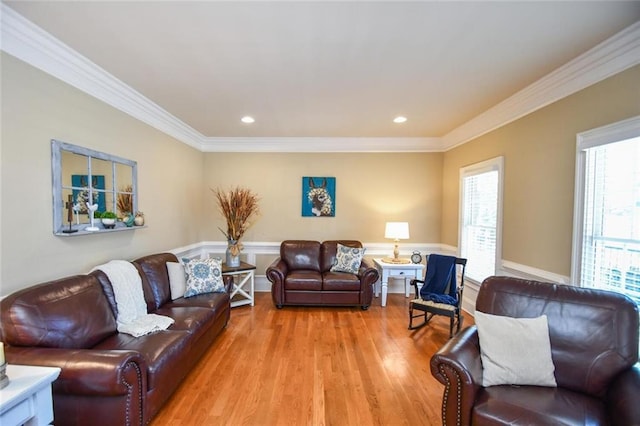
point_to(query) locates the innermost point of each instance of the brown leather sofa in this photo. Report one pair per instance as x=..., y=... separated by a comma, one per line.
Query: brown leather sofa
x=594, y=347
x=302, y=276
x=109, y=378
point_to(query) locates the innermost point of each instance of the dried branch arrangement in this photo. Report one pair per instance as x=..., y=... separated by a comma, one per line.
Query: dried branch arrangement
x=238, y=206
x=124, y=200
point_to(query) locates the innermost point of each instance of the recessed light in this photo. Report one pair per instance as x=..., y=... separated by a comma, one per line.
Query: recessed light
x=400, y=119
x=248, y=120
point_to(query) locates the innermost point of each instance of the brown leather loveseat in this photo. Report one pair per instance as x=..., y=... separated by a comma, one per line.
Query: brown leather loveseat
x=107, y=377
x=302, y=276
x=594, y=349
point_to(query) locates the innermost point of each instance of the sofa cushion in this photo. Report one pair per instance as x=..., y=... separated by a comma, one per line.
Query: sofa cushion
x=155, y=278
x=300, y=254
x=205, y=300
x=534, y=405
x=515, y=351
x=193, y=319
x=348, y=259
x=72, y=312
x=303, y=280
x=340, y=281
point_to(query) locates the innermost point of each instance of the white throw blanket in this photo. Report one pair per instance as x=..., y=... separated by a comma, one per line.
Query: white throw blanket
x=132, y=309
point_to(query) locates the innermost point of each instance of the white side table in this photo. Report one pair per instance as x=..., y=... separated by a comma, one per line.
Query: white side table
x=27, y=399
x=243, y=277
x=403, y=270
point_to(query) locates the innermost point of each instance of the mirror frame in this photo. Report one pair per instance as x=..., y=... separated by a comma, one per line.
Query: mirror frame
x=59, y=225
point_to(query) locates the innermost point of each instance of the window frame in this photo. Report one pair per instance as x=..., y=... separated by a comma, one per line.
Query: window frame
x=492, y=164
x=612, y=133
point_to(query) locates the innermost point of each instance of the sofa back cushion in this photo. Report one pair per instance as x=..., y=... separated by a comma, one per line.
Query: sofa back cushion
x=593, y=333
x=330, y=248
x=70, y=313
x=155, y=278
x=301, y=254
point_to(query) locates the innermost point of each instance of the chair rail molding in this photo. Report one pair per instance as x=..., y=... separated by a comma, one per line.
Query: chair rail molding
x=251, y=250
x=517, y=270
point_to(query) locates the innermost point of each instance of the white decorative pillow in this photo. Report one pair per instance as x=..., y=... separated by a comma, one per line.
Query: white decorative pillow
x=515, y=351
x=203, y=276
x=348, y=259
x=177, y=279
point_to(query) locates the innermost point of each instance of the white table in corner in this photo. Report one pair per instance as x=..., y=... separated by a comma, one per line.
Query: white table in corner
x=400, y=270
x=27, y=398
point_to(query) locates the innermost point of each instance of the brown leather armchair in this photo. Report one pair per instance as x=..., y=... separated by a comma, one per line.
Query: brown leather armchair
x=594, y=347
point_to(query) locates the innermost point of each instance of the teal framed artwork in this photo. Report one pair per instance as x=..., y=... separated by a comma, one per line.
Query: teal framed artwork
x=318, y=196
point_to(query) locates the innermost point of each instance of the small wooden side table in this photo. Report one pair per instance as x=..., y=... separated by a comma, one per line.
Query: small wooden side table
x=243, y=276
x=27, y=399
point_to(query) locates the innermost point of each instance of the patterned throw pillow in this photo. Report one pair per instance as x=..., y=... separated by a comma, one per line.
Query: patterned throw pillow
x=348, y=259
x=203, y=276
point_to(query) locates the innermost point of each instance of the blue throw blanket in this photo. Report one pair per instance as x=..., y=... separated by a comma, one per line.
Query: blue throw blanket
x=441, y=272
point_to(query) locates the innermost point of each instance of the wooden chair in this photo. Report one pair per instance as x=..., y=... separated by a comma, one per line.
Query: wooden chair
x=440, y=292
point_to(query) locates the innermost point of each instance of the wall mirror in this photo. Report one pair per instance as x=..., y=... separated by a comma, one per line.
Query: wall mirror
x=85, y=180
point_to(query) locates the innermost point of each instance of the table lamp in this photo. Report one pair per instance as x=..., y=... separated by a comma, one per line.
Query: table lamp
x=396, y=231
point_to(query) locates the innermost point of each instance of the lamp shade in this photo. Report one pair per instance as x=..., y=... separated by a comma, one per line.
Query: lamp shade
x=397, y=230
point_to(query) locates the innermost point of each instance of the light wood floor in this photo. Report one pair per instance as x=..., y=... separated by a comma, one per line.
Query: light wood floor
x=314, y=366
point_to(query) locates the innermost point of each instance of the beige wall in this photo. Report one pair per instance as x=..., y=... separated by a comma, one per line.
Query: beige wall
x=36, y=108
x=371, y=189
x=539, y=152
x=174, y=181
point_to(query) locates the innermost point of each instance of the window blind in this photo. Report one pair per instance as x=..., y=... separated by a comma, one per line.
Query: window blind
x=479, y=222
x=611, y=218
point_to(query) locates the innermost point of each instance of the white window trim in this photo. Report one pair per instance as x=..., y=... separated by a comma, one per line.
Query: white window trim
x=496, y=163
x=604, y=135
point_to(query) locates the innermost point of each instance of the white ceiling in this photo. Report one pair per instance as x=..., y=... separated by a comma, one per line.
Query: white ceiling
x=329, y=69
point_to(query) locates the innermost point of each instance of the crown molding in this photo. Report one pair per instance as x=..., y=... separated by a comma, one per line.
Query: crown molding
x=320, y=144
x=612, y=56
x=28, y=42
x=31, y=44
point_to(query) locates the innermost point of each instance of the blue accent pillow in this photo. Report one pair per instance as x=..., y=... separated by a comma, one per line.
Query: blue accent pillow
x=203, y=276
x=348, y=259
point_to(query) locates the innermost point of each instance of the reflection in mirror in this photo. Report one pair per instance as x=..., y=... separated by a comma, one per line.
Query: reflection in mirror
x=84, y=179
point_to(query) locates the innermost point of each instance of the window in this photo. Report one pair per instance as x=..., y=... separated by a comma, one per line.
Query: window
x=606, y=251
x=481, y=217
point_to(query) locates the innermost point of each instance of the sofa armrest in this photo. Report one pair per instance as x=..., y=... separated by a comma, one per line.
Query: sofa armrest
x=622, y=398
x=368, y=273
x=457, y=365
x=87, y=371
x=277, y=271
